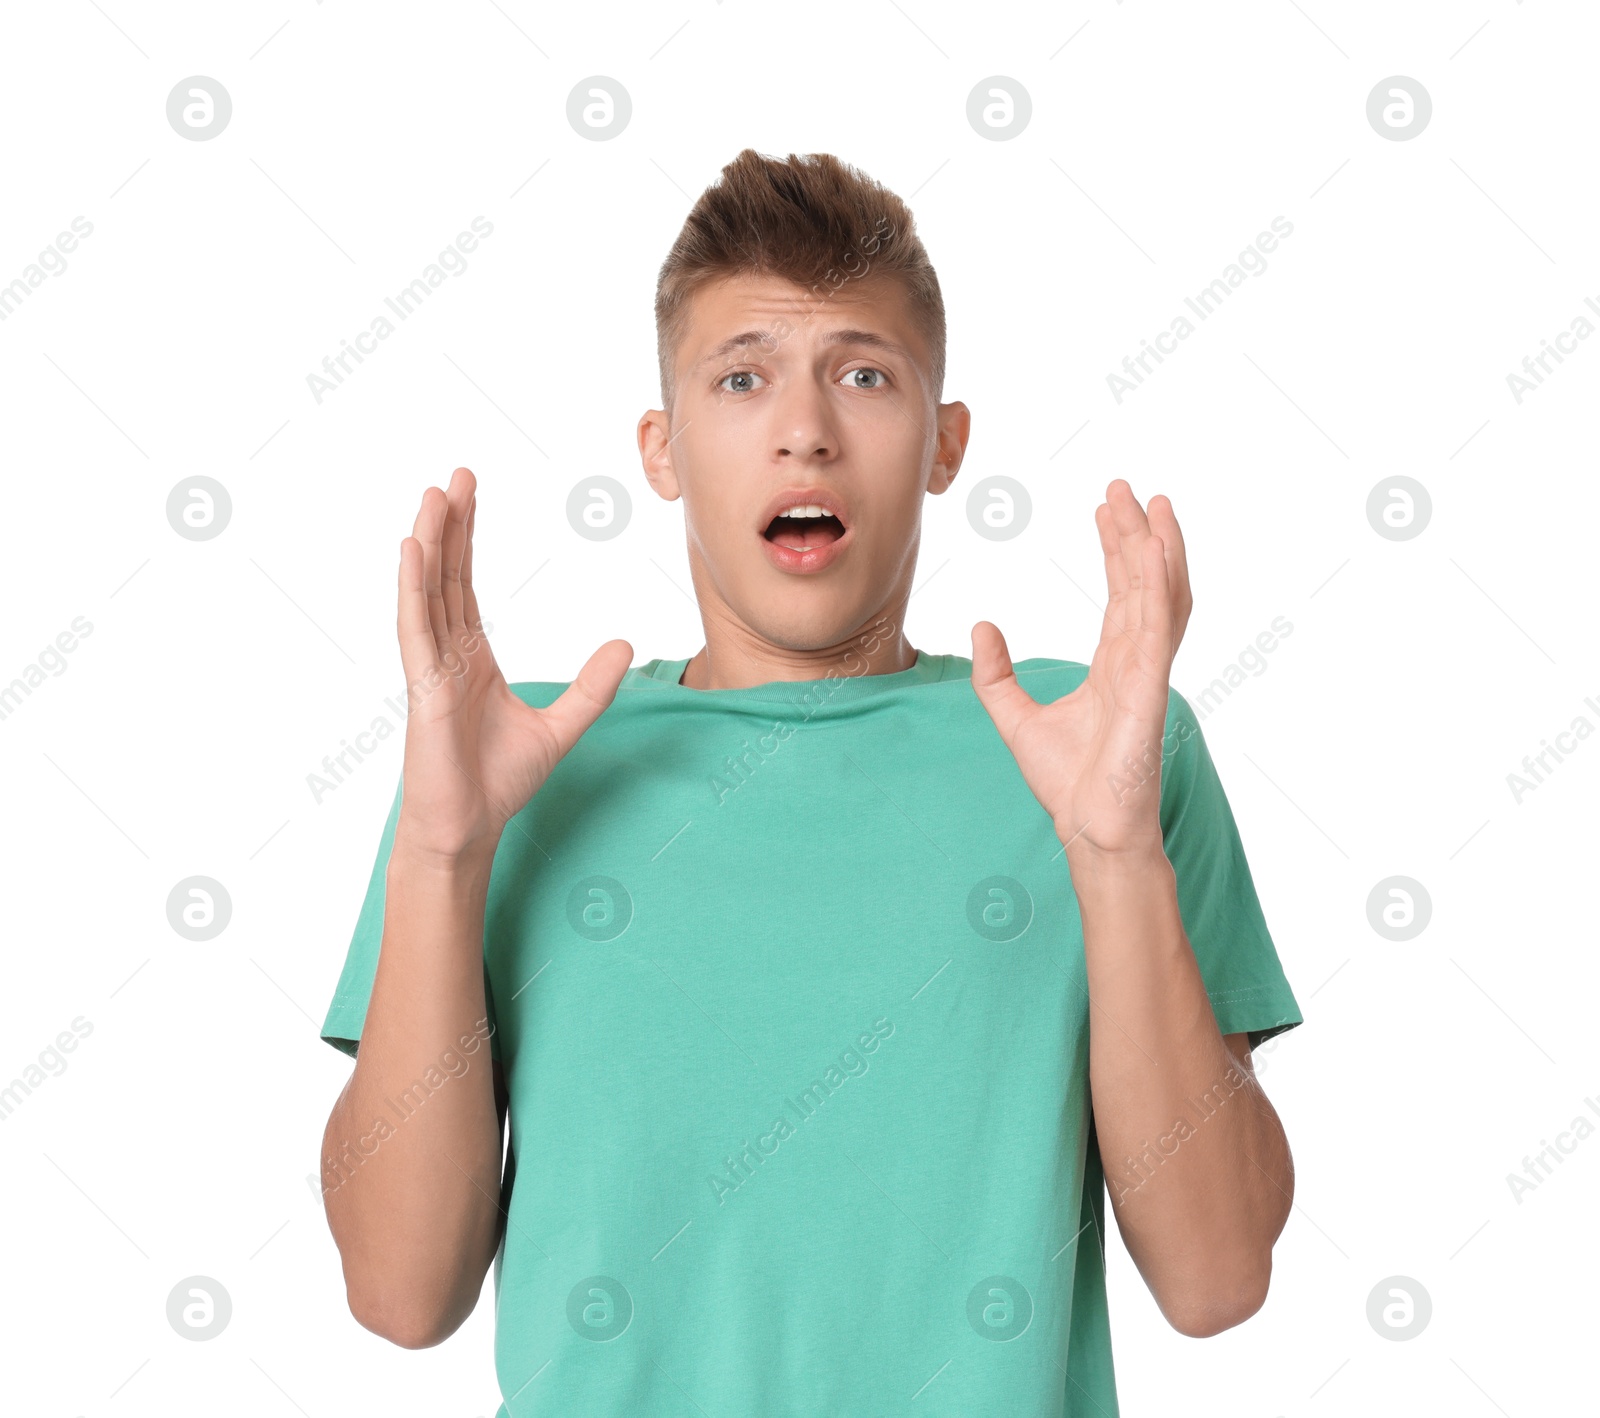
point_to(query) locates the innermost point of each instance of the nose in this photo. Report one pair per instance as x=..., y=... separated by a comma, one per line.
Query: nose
x=803, y=425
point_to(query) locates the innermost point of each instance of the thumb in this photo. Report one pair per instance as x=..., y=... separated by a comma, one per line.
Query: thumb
x=994, y=681
x=587, y=697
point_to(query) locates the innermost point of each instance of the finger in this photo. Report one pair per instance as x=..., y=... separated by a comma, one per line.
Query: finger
x=1111, y=544
x=1116, y=574
x=994, y=681
x=430, y=521
x=1164, y=522
x=418, y=651
x=1155, y=601
x=457, y=499
x=472, y=617
x=585, y=699
x=469, y=597
x=1132, y=529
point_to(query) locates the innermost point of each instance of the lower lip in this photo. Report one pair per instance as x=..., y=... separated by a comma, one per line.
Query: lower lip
x=805, y=562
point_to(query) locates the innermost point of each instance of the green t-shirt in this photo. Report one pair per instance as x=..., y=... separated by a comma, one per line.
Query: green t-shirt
x=789, y=989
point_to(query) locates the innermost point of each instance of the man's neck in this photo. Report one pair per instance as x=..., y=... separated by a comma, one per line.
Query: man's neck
x=742, y=660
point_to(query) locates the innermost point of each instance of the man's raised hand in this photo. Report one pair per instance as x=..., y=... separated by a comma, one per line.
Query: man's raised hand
x=475, y=753
x=1093, y=757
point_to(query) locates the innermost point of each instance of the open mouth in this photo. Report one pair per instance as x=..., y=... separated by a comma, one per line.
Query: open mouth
x=804, y=529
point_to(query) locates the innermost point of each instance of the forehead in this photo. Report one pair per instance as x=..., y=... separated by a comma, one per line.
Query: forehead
x=723, y=311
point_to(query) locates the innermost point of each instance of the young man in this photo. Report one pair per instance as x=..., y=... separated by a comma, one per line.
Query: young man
x=826, y=981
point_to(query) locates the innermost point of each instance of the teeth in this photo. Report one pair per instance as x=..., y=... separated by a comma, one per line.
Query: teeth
x=809, y=509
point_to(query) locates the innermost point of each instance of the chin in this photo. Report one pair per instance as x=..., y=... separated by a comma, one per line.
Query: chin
x=812, y=630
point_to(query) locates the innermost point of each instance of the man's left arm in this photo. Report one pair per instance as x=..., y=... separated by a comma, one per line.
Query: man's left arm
x=1199, y=1170
x=1195, y=1159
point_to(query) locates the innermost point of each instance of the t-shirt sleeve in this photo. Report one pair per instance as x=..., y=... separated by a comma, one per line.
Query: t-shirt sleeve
x=347, y=1011
x=1216, y=895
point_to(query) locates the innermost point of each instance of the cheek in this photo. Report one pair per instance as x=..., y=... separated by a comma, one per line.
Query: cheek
x=717, y=483
x=898, y=455
x=889, y=525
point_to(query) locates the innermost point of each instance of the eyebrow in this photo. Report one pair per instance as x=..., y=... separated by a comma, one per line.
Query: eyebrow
x=833, y=337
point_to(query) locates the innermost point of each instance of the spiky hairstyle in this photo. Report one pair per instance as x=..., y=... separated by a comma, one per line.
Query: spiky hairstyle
x=811, y=219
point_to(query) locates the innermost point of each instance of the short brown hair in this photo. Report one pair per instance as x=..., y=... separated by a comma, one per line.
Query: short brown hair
x=810, y=219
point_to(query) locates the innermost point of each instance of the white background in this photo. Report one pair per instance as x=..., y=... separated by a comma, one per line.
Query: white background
x=218, y=674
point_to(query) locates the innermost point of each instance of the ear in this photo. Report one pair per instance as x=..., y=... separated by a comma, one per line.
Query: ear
x=954, y=424
x=655, y=453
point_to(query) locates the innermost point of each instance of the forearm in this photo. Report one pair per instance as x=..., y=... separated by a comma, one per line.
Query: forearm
x=1195, y=1158
x=411, y=1153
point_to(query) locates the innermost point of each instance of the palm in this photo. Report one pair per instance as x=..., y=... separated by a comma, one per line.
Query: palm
x=1092, y=757
x=518, y=748
x=475, y=752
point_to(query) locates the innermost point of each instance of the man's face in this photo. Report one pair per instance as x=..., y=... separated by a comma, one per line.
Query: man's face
x=788, y=398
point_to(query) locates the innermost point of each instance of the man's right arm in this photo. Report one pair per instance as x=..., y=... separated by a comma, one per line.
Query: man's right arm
x=411, y=1153
x=411, y=1172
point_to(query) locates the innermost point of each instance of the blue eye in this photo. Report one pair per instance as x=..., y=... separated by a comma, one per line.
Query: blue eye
x=747, y=374
x=881, y=377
